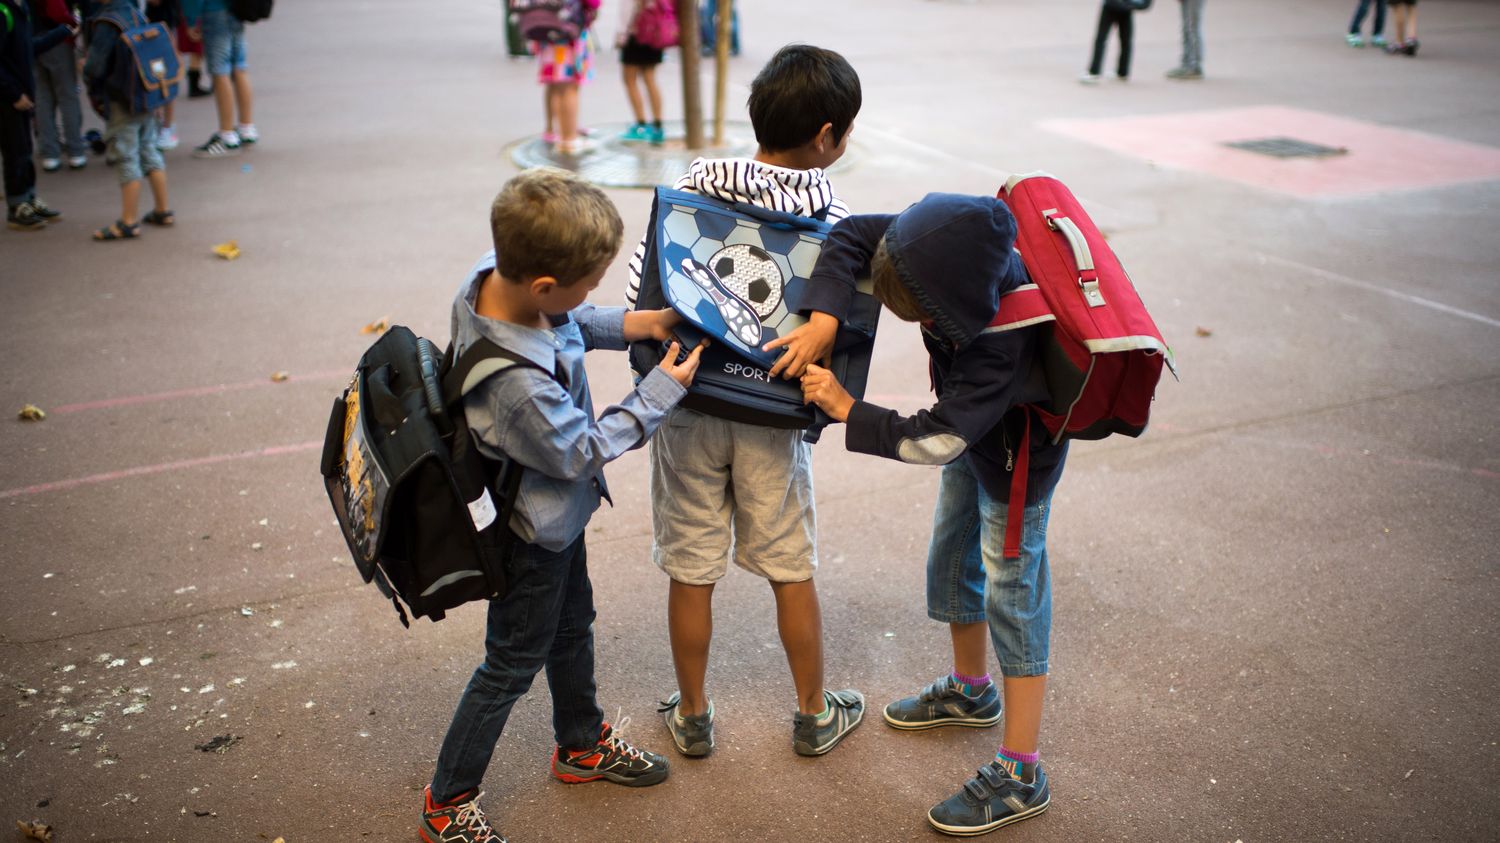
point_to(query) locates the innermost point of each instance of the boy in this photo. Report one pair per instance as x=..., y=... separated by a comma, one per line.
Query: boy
x=719, y=486
x=944, y=262
x=554, y=236
x=223, y=38
x=133, y=135
x=23, y=210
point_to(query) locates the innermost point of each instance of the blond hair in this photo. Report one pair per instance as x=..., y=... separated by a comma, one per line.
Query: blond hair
x=891, y=291
x=550, y=222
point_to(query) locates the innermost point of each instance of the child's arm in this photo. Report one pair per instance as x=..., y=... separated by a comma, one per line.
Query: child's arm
x=614, y=328
x=983, y=384
x=845, y=257
x=530, y=417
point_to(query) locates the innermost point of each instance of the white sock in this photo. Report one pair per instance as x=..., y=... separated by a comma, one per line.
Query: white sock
x=230, y=137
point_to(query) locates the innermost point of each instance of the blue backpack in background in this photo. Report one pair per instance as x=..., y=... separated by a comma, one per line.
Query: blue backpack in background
x=146, y=72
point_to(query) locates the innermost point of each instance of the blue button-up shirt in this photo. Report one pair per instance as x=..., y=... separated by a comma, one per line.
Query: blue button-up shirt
x=550, y=429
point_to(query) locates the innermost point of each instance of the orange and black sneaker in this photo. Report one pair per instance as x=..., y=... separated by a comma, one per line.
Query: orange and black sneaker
x=458, y=821
x=611, y=758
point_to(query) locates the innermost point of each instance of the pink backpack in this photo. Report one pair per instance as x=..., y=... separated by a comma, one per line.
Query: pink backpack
x=656, y=24
x=1104, y=355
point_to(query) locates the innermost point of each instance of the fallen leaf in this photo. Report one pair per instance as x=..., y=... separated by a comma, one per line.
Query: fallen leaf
x=228, y=251
x=31, y=412
x=278, y=377
x=379, y=326
x=35, y=830
x=1203, y=332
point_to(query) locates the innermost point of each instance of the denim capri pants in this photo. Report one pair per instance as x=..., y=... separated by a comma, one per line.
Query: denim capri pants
x=969, y=581
x=134, y=139
x=223, y=43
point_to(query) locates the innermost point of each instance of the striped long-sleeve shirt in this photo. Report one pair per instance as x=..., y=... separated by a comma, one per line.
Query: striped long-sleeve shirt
x=803, y=192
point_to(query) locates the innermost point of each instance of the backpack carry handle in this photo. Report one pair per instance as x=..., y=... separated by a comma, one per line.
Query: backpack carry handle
x=1088, y=277
x=432, y=387
x=780, y=219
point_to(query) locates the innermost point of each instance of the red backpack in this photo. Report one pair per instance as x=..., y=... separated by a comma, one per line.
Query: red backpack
x=1104, y=355
x=656, y=24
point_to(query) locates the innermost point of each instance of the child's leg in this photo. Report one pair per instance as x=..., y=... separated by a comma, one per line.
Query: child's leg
x=1024, y=696
x=519, y=641
x=970, y=647
x=632, y=90
x=1359, y=16
x=48, y=87
x=567, y=111
x=244, y=97
x=1018, y=603
x=653, y=93
x=576, y=716
x=799, y=620
x=1101, y=36
x=1127, y=38
x=1411, y=21
x=130, y=201
x=690, y=624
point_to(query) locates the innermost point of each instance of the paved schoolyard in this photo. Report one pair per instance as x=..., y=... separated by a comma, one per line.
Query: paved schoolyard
x=1274, y=613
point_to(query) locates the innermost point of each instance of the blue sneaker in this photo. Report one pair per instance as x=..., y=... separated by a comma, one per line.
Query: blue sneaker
x=990, y=800
x=692, y=733
x=656, y=135
x=636, y=132
x=814, y=735
x=943, y=704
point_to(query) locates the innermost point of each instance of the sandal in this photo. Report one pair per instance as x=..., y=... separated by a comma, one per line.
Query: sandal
x=161, y=218
x=118, y=230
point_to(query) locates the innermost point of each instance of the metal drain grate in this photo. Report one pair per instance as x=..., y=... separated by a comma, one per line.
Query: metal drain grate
x=1283, y=147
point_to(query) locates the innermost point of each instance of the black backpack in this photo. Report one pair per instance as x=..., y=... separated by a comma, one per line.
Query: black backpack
x=250, y=11
x=426, y=516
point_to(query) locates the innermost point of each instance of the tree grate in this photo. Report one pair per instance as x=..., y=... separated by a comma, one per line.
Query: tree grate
x=1284, y=147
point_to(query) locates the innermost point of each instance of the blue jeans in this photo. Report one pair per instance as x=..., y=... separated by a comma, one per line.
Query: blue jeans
x=969, y=581
x=134, y=139
x=223, y=43
x=1359, y=17
x=546, y=621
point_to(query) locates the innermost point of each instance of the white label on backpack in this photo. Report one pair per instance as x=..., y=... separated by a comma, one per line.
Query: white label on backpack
x=482, y=510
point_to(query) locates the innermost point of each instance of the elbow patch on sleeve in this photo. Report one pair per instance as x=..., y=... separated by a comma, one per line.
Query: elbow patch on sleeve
x=933, y=449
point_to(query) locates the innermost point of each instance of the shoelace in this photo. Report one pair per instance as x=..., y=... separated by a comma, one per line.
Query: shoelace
x=617, y=742
x=470, y=818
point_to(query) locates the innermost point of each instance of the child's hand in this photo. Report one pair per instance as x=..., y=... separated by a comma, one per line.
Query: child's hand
x=810, y=343
x=651, y=324
x=820, y=387
x=682, y=372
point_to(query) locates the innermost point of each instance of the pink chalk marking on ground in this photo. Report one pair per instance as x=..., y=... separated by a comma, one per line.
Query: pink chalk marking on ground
x=139, y=471
x=1379, y=159
x=193, y=392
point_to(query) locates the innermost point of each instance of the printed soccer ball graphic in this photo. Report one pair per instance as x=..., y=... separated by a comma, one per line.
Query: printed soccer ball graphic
x=750, y=273
x=737, y=314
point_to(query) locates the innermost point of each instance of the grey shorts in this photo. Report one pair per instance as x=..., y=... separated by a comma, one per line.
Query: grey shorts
x=720, y=488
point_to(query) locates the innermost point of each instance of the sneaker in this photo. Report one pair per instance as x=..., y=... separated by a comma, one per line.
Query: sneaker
x=23, y=218
x=456, y=822
x=1185, y=73
x=1353, y=40
x=167, y=138
x=248, y=134
x=943, y=704
x=692, y=733
x=814, y=735
x=1410, y=47
x=217, y=147
x=656, y=135
x=51, y=165
x=611, y=758
x=1088, y=79
x=43, y=211
x=77, y=162
x=636, y=132
x=990, y=800
x=1378, y=41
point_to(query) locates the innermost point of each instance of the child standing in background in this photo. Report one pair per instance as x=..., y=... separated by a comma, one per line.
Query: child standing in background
x=563, y=67
x=639, y=62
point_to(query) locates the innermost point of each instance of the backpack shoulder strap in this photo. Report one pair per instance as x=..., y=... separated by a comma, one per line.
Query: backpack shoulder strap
x=481, y=359
x=1019, y=308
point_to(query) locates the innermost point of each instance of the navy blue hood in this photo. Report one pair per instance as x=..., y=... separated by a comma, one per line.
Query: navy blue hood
x=956, y=255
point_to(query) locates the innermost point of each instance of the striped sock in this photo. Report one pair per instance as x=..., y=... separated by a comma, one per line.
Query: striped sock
x=1014, y=762
x=970, y=686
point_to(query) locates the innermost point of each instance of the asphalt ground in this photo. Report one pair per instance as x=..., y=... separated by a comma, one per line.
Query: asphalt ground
x=1274, y=613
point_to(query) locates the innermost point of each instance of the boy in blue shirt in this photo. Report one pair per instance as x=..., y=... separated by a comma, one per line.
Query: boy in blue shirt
x=944, y=263
x=555, y=236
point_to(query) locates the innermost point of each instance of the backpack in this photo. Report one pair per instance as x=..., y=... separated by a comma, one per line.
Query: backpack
x=735, y=272
x=656, y=24
x=1104, y=355
x=250, y=11
x=425, y=515
x=549, y=21
x=145, y=72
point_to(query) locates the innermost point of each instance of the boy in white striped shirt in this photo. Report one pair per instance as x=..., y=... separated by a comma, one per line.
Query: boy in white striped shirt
x=722, y=488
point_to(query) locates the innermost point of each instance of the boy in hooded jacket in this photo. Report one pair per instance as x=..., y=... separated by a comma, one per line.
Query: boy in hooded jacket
x=724, y=489
x=944, y=263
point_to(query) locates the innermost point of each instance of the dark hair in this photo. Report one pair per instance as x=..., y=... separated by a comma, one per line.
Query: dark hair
x=891, y=291
x=548, y=221
x=800, y=89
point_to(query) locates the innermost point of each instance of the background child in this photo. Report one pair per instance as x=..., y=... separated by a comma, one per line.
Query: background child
x=1405, y=40
x=224, y=51
x=720, y=487
x=1114, y=13
x=562, y=68
x=132, y=136
x=1377, y=27
x=24, y=211
x=57, y=89
x=554, y=236
x=639, y=62
x=944, y=263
